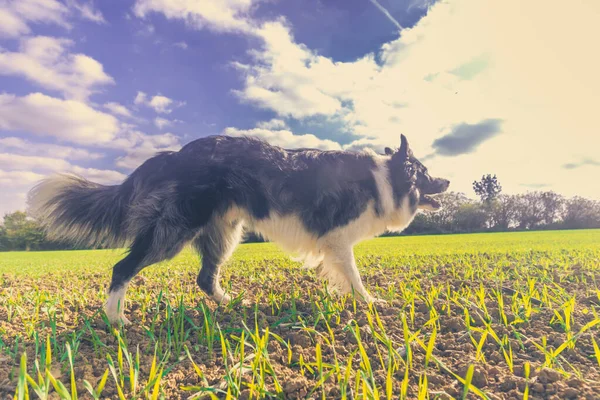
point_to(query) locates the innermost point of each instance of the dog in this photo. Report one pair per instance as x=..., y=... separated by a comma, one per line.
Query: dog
x=316, y=204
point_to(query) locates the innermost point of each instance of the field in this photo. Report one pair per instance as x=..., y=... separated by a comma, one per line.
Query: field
x=499, y=316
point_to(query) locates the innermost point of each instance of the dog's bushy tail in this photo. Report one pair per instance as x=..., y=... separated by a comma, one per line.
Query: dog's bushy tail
x=74, y=209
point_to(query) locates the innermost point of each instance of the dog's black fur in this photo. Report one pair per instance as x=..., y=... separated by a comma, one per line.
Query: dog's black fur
x=179, y=197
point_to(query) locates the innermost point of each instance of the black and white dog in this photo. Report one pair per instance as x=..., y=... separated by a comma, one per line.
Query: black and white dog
x=317, y=204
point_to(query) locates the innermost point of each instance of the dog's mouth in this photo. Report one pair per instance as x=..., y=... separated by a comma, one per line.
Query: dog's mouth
x=429, y=202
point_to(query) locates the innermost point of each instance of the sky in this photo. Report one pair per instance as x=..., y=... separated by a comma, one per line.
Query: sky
x=478, y=86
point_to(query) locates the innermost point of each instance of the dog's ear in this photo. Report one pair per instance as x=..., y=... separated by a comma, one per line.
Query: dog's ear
x=405, y=151
x=389, y=152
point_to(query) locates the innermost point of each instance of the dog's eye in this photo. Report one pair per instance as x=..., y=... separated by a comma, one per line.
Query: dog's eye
x=411, y=172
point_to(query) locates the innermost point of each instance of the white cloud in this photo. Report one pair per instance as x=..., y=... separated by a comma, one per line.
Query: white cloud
x=140, y=147
x=47, y=62
x=377, y=145
x=290, y=79
x=162, y=122
x=466, y=61
x=87, y=11
x=33, y=164
x=140, y=98
x=118, y=109
x=9, y=161
x=159, y=103
x=102, y=176
x=181, y=45
x=37, y=11
x=285, y=139
x=275, y=132
x=272, y=124
x=16, y=15
x=11, y=25
x=66, y=120
x=15, y=183
x=217, y=15
x=25, y=147
x=13, y=199
x=19, y=178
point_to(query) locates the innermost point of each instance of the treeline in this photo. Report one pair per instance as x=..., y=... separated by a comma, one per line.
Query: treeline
x=495, y=212
x=530, y=211
x=18, y=232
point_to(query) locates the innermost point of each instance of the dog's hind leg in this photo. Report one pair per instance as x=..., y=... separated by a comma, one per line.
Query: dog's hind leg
x=216, y=243
x=158, y=244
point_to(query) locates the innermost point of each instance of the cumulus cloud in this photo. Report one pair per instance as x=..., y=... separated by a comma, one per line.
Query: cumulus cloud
x=216, y=15
x=19, y=178
x=46, y=62
x=66, y=120
x=282, y=137
x=24, y=147
x=87, y=11
x=162, y=122
x=159, y=103
x=9, y=161
x=286, y=139
x=377, y=145
x=118, y=109
x=102, y=176
x=16, y=15
x=46, y=165
x=464, y=138
x=11, y=25
x=458, y=63
x=140, y=146
x=272, y=124
x=289, y=78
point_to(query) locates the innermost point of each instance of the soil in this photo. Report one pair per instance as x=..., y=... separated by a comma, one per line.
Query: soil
x=575, y=374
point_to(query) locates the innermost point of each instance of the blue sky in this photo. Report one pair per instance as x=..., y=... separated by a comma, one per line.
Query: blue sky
x=478, y=86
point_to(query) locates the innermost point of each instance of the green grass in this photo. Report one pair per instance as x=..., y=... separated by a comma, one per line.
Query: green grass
x=463, y=314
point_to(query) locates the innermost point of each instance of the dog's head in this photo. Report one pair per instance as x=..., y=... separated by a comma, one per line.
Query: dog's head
x=417, y=178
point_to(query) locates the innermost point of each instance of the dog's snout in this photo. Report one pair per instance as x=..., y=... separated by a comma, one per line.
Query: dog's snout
x=443, y=185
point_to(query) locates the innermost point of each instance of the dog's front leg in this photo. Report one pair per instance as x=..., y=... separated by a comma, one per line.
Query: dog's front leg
x=339, y=268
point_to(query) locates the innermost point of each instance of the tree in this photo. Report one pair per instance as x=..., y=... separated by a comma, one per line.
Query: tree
x=554, y=205
x=582, y=213
x=22, y=233
x=442, y=221
x=504, y=212
x=488, y=188
x=529, y=210
x=4, y=244
x=471, y=217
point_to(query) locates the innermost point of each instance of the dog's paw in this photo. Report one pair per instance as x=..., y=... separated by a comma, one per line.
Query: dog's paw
x=247, y=302
x=377, y=300
x=221, y=298
x=119, y=320
x=374, y=300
